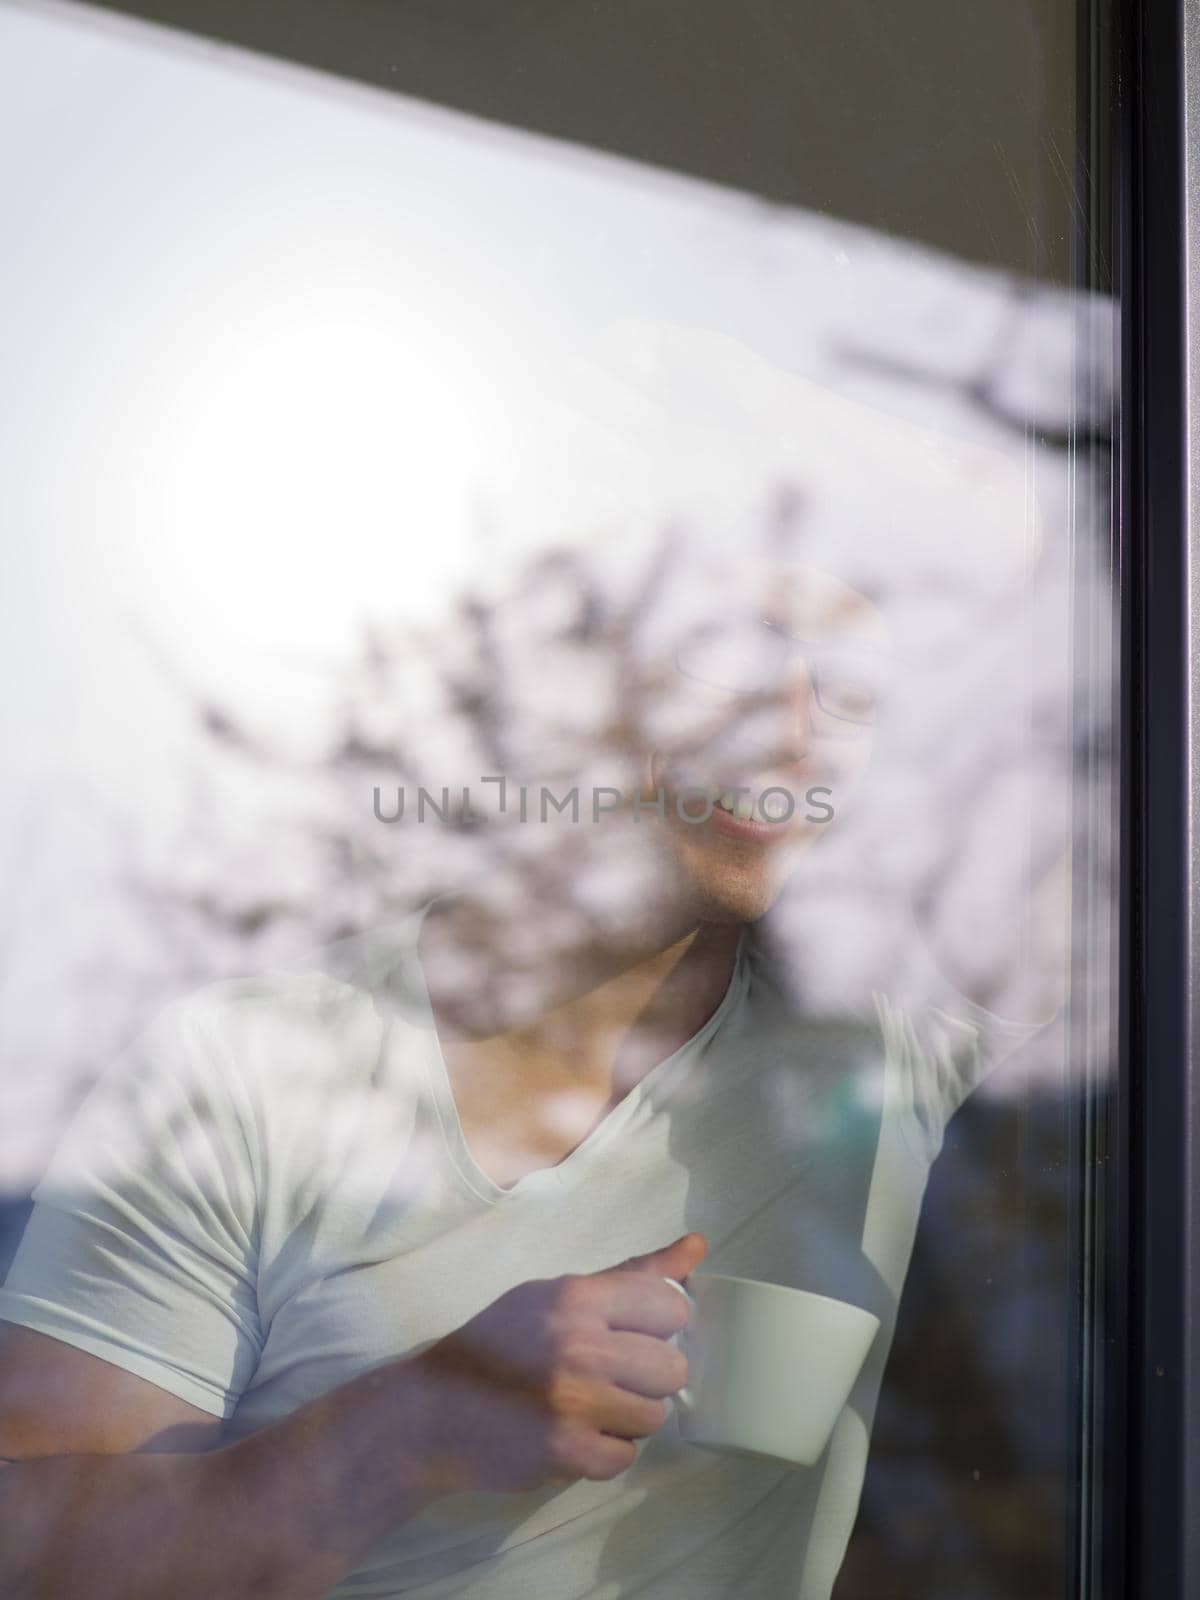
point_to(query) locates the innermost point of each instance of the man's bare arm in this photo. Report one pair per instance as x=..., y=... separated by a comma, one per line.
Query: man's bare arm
x=115, y=1492
x=121, y=1492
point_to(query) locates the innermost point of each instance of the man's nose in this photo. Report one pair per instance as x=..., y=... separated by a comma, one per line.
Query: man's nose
x=796, y=708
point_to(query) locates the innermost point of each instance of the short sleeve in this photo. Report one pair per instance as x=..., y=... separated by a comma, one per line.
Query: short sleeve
x=939, y=1047
x=142, y=1245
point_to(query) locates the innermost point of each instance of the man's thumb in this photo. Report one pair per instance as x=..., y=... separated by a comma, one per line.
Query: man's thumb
x=674, y=1260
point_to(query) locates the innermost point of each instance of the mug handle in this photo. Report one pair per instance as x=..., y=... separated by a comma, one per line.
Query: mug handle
x=684, y=1395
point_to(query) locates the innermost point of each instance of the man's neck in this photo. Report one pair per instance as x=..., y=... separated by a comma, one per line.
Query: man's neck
x=607, y=1012
x=617, y=1031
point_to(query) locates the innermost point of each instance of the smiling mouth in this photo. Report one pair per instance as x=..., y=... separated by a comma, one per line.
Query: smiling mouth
x=737, y=804
x=765, y=805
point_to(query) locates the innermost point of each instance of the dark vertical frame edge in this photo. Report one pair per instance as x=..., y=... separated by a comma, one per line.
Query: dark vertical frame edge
x=1160, y=793
x=1098, y=1129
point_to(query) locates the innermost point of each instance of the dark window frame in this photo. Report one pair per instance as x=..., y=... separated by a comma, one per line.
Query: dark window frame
x=1151, y=1453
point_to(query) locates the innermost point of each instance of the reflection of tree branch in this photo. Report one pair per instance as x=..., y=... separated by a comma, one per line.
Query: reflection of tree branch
x=557, y=678
x=978, y=391
x=217, y=722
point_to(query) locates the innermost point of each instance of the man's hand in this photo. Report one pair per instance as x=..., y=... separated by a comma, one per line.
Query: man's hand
x=559, y=1377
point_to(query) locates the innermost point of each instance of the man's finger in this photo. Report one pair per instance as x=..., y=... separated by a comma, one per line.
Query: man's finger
x=647, y=1366
x=626, y=1415
x=674, y=1260
x=641, y=1302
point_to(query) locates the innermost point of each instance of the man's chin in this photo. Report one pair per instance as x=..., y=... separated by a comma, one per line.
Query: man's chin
x=742, y=895
x=740, y=882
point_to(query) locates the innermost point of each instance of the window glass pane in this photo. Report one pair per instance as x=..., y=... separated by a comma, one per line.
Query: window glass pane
x=560, y=704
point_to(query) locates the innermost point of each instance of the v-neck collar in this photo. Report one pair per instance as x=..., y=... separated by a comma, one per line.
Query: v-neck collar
x=654, y=1082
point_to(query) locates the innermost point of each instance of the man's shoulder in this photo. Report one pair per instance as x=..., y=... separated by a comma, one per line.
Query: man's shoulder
x=318, y=1018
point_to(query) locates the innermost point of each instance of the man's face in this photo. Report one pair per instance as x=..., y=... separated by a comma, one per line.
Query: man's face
x=772, y=711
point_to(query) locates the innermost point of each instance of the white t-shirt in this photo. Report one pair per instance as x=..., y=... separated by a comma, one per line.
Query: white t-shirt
x=270, y=1193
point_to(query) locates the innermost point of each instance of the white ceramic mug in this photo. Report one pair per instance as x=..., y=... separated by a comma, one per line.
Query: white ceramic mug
x=769, y=1368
